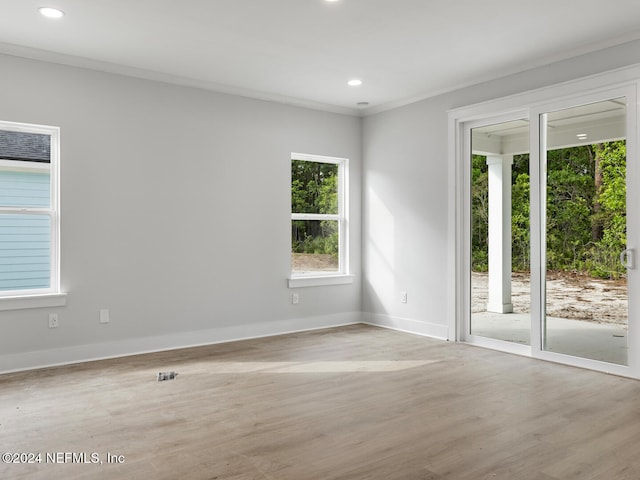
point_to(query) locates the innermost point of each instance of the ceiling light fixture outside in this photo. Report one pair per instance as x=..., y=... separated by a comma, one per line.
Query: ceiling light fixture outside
x=50, y=12
x=355, y=82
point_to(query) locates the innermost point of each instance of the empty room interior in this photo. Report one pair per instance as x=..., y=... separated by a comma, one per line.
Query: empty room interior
x=320, y=239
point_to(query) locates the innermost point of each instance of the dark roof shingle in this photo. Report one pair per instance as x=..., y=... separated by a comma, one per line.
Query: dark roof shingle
x=24, y=146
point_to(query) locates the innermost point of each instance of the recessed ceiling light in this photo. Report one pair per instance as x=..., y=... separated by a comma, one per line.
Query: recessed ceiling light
x=51, y=12
x=362, y=104
x=354, y=82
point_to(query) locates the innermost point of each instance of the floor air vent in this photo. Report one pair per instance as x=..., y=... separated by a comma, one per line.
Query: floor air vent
x=162, y=376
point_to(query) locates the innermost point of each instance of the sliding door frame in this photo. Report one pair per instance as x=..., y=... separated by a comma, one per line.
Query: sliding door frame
x=465, y=330
x=531, y=105
x=538, y=205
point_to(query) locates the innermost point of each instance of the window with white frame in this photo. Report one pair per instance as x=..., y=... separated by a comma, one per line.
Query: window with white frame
x=319, y=225
x=28, y=209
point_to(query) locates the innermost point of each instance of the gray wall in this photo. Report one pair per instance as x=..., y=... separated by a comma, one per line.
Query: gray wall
x=161, y=224
x=174, y=214
x=405, y=200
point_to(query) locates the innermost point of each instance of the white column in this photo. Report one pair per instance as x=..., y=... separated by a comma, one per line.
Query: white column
x=499, y=233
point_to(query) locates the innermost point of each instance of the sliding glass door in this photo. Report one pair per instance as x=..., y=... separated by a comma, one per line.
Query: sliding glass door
x=500, y=253
x=586, y=261
x=552, y=230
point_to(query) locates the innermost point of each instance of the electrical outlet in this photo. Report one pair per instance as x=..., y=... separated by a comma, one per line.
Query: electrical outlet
x=104, y=315
x=403, y=297
x=295, y=298
x=53, y=320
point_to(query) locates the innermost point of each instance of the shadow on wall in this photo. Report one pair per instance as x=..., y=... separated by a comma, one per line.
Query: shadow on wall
x=379, y=256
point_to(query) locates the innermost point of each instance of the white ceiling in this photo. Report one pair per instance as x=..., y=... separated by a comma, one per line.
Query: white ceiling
x=304, y=51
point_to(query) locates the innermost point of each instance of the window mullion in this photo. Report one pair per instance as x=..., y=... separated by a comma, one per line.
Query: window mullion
x=315, y=216
x=26, y=211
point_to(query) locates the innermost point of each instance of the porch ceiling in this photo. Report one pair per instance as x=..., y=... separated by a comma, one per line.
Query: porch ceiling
x=583, y=125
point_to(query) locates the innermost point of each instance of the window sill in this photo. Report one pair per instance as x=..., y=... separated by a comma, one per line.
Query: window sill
x=320, y=280
x=45, y=300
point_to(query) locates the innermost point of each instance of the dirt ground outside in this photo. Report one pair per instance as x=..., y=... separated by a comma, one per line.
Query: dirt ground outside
x=571, y=296
x=314, y=262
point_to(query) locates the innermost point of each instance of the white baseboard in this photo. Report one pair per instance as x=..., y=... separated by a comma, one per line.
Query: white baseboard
x=407, y=325
x=135, y=346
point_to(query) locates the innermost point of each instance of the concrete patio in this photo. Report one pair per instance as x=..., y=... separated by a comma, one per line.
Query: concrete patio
x=598, y=341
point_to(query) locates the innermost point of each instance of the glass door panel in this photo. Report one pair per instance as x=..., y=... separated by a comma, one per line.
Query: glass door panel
x=500, y=232
x=583, y=155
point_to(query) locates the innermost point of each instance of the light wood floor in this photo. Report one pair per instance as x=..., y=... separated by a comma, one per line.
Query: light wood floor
x=348, y=403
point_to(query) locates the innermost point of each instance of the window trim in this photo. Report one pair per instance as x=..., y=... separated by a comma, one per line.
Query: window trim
x=42, y=297
x=342, y=276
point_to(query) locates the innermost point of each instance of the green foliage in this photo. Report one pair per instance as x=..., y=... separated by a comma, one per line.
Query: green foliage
x=611, y=215
x=315, y=236
x=586, y=210
x=520, y=212
x=479, y=213
x=570, y=197
x=479, y=259
x=314, y=189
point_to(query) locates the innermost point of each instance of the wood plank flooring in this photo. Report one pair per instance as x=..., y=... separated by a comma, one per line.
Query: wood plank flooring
x=355, y=402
